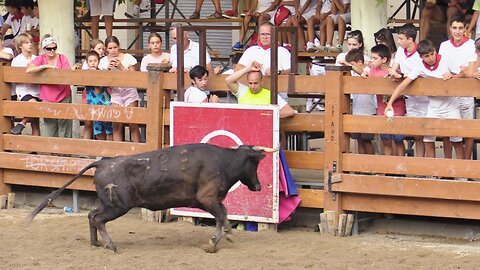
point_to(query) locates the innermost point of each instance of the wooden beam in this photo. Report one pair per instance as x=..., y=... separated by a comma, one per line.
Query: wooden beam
x=311, y=198
x=42, y=179
x=411, y=206
x=309, y=122
x=411, y=165
x=305, y=159
x=75, y=112
x=408, y=187
x=71, y=146
x=155, y=110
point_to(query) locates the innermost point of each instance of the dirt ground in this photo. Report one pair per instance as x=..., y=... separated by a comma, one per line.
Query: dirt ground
x=61, y=241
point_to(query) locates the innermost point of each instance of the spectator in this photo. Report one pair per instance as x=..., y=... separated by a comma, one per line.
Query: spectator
x=58, y=93
x=121, y=96
x=99, y=47
x=305, y=11
x=323, y=10
x=340, y=16
x=406, y=59
x=249, y=5
x=379, y=66
x=460, y=51
x=354, y=41
x=198, y=7
x=384, y=36
x=362, y=104
x=156, y=54
x=433, y=66
x=26, y=92
x=474, y=22
x=191, y=53
x=13, y=21
x=30, y=22
x=105, y=8
x=196, y=93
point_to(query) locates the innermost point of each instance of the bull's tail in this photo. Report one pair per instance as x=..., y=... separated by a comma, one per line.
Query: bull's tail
x=52, y=196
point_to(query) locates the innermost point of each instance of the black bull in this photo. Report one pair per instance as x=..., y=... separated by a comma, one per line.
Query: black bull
x=192, y=175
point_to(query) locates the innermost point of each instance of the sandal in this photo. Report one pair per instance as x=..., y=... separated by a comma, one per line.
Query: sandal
x=195, y=15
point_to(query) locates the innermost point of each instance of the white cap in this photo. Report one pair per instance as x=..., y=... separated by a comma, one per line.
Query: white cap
x=47, y=41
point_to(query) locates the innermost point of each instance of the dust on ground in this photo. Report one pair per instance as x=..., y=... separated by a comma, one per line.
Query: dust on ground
x=55, y=240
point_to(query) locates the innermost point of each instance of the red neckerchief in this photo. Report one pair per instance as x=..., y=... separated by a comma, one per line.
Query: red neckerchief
x=18, y=17
x=265, y=47
x=435, y=66
x=465, y=39
x=407, y=54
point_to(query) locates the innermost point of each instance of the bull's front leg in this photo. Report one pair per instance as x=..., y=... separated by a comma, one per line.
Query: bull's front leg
x=214, y=207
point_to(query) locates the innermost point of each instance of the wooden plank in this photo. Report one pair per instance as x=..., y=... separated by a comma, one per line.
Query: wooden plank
x=331, y=221
x=310, y=122
x=78, y=77
x=420, y=87
x=311, y=198
x=5, y=125
x=76, y=112
x=411, y=206
x=411, y=165
x=342, y=223
x=408, y=187
x=3, y=201
x=71, y=146
x=43, y=163
x=155, y=111
x=323, y=223
x=349, y=226
x=412, y=126
x=43, y=179
x=304, y=159
x=11, y=200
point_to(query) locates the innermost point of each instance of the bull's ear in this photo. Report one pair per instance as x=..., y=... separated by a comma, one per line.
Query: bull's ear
x=257, y=156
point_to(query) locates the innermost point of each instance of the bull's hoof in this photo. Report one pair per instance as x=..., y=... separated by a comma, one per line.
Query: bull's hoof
x=96, y=244
x=210, y=248
x=112, y=248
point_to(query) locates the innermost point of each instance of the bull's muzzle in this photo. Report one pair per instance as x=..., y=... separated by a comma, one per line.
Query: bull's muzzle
x=257, y=187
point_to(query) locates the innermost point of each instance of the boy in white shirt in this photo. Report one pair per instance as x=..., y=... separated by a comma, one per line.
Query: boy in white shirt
x=196, y=92
x=433, y=66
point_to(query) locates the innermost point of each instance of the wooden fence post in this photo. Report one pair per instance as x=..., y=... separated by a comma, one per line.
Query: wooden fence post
x=4, y=126
x=336, y=142
x=155, y=96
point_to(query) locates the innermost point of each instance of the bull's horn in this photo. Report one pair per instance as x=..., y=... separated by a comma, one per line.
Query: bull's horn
x=234, y=147
x=265, y=149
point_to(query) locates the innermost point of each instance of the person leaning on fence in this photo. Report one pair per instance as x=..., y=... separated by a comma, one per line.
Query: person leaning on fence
x=26, y=92
x=58, y=93
x=433, y=66
x=196, y=93
x=362, y=104
x=156, y=55
x=191, y=53
x=121, y=96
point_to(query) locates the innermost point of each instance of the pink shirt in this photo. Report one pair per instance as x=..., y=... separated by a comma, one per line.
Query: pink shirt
x=53, y=92
x=398, y=105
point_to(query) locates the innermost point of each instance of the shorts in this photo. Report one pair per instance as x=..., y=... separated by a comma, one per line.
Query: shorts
x=452, y=114
x=124, y=96
x=416, y=106
x=309, y=13
x=29, y=97
x=362, y=136
x=102, y=127
x=467, y=107
x=347, y=18
x=101, y=7
x=394, y=137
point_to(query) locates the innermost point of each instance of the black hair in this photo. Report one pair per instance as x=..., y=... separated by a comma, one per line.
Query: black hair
x=13, y=4
x=27, y=3
x=409, y=31
x=355, y=55
x=382, y=51
x=198, y=72
x=357, y=34
x=425, y=47
x=111, y=39
x=386, y=36
x=92, y=53
x=477, y=44
x=458, y=18
x=236, y=58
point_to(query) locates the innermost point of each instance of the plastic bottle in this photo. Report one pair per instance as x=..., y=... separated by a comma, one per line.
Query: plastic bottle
x=67, y=209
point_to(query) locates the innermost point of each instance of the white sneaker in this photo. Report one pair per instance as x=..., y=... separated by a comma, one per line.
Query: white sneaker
x=136, y=11
x=327, y=48
x=311, y=47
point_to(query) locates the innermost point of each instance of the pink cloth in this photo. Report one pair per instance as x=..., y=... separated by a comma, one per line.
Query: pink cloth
x=53, y=92
x=398, y=105
x=287, y=204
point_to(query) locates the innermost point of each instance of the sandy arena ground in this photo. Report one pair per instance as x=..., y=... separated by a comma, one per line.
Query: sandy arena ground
x=61, y=241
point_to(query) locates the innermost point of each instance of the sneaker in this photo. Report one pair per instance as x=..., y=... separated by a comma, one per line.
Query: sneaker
x=195, y=15
x=215, y=15
x=311, y=47
x=17, y=130
x=229, y=14
x=238, y=46
x=336, y=49
x=316, y=60
x=244, y=13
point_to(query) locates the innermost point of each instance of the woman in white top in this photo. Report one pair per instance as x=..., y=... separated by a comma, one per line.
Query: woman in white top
x=121, y=96
x=156, y=56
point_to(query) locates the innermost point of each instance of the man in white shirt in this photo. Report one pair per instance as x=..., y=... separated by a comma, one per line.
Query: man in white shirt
x=13, y=21
x=191, y=55
x=262, y=51
x=460, y=50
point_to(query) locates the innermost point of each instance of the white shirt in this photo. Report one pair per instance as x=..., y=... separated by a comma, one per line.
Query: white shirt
x=194, y=95
x=243, y=89
x=150, y=59
x=24, y=89
x=326, y=6
x=407, y=61
x=310, y=8
x=33, y=21
x=439, y=104
x=461, y=55
x=16, y=25
x=191, y=56
x=128, y=61
x=263, y=5
x=347, y=2
x=262, y=56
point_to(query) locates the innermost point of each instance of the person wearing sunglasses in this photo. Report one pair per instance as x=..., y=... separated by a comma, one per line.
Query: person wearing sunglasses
x=58, y=93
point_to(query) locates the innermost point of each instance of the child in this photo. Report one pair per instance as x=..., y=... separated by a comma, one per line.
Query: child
x=324, y=8
x=199, y=79
x=379, y=66
x=406, y=59
x=340, y=16
x=95, y=45
x=433, y=66
x=96, y=95
x=362, y=104
x=305, y=10
x=26, y=92
x=156, y=55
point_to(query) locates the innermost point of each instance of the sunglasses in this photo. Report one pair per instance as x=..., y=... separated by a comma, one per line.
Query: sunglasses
x=50, y=49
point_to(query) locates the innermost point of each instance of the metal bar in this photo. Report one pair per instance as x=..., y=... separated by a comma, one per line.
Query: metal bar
x=75, y=195
x=408, y=6
x=273, y=65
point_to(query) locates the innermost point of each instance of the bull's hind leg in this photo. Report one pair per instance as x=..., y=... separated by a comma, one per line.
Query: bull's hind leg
x=93, y=228
x=226, y=224
x=103, y=216
x=216, y=209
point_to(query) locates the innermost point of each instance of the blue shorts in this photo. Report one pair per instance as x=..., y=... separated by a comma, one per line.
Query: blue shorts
x=102, y=127
x=394, y=137
x=362, y=136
